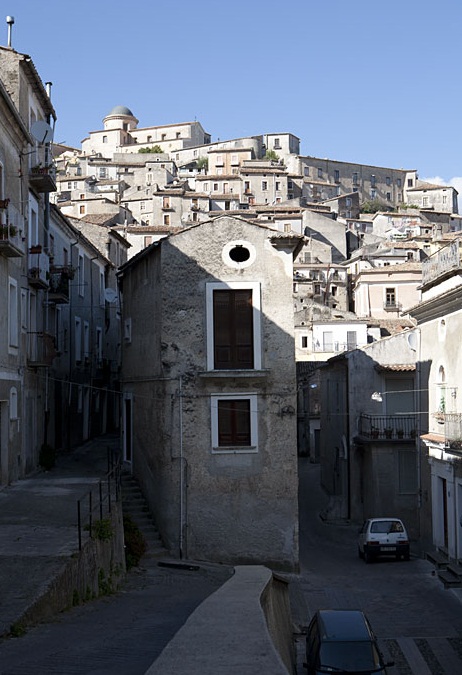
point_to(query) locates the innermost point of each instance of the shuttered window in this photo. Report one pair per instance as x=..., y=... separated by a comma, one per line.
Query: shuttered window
x=233, y=329
x=234, y=422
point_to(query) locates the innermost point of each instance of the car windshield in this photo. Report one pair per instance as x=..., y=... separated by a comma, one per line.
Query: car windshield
x=350, y=657
x=386, y=526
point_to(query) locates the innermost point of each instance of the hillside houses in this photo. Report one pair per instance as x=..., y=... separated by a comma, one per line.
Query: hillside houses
x=342, y=267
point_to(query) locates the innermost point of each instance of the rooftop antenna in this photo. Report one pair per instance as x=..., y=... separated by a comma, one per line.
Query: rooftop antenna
x=10, y=22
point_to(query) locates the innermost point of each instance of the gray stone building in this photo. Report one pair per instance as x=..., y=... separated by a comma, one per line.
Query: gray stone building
x=371, y=460
x=209, y=389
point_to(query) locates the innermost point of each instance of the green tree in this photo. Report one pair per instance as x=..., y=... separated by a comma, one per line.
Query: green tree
x=202, y=163
x=375, y=205
x=155, y=149
x=270, y=154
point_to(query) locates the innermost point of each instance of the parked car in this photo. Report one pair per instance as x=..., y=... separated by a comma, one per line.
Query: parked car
x=342, y=641
x=383, y=537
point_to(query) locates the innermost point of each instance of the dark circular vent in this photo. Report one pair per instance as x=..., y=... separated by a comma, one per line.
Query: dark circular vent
x=239, y=254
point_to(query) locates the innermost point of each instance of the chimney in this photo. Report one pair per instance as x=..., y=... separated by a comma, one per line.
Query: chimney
x=48, y=86
x=10, y=22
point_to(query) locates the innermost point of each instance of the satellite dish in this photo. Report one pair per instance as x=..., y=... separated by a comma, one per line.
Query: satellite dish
x=110, y=294
x=41, y=131
x=412, y=341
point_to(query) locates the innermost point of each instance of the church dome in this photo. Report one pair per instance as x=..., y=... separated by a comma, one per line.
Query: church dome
x=121, y=110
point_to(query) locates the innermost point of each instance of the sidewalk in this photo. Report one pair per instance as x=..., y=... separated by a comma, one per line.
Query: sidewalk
x=38, y=526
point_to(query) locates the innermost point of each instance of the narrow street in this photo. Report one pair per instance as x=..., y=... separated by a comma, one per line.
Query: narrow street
x=417, y=621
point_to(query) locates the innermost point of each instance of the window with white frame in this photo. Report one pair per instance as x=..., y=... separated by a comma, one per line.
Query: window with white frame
x=99, y=344
x=77, y=339
x=233, y=326
x=59, y=330
x=13, y=318
x=390, y=297
x=33, y=225
x=13, y=403
x=102, y=286
x=234, y=422
x=23, y=309
x=86, y=340
x=81, y=275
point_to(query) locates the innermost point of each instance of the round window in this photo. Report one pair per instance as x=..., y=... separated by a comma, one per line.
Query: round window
x=239, y=254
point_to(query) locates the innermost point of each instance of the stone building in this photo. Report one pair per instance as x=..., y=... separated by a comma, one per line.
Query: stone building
x=371, y=462
x=26, y=179
x=439, y=325
x=209, y=387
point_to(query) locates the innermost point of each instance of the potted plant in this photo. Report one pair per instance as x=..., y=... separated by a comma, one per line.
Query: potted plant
x=400, y=433
x=7, y=231
x=388, y=431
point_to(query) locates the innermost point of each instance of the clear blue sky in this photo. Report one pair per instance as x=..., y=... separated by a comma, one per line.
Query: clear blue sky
x=356, y=80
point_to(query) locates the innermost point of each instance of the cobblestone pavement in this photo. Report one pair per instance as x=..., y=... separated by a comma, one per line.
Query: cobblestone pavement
x=418, y=622
x=121, y=634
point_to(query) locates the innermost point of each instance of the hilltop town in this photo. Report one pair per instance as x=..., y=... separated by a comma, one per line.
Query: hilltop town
x=229, y=306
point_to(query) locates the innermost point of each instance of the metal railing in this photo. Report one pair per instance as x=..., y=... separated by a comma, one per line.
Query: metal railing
x=453, y=430
x=388, y=427
x=91, y=506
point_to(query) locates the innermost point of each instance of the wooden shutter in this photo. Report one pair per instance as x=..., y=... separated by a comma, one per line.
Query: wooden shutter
x=233, y=329
x=234, y=422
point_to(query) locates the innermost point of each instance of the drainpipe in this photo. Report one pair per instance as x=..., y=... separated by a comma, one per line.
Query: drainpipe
x=181, y=470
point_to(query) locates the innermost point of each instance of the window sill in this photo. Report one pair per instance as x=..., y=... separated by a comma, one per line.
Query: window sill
x=234, y=450
x=226, y=374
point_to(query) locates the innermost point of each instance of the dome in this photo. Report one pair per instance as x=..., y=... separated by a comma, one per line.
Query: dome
x=121, y=110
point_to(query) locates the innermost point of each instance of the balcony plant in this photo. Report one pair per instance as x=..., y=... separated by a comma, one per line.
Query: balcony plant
x=7, y=231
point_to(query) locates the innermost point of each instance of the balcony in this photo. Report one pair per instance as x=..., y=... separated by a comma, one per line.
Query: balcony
x=11, y=245
x=334, y=346
x=41, y=349
x=43, y=178
x=59, y=277
x=38, y=268
x=387, y=427
x=392, y=306
x=453, y=431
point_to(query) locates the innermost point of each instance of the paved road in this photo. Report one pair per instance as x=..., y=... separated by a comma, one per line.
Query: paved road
x=118, y=635
x=418, y=623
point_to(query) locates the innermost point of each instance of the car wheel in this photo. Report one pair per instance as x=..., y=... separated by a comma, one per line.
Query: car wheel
x=360, y=553
x=367, y=557
x=407, y=556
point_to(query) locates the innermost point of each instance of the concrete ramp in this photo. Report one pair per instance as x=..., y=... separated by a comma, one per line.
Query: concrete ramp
x=233, y=630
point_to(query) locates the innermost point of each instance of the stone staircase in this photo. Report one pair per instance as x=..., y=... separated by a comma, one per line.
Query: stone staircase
x=135, y=505
x=449, y=572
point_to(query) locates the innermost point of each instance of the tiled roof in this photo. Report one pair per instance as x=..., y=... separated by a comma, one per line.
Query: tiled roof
x=396, y=367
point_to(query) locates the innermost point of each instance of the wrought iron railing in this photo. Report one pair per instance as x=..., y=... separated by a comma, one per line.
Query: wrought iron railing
x=97, y=503
x=388, y=427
